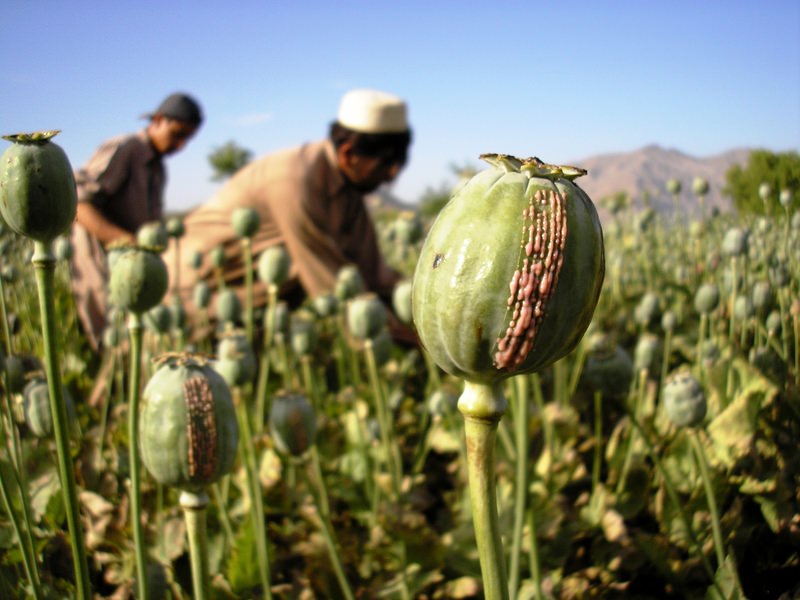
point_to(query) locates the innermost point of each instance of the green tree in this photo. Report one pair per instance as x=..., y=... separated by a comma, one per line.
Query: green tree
x=780, y=171
x=433, y=200
x=227, y=159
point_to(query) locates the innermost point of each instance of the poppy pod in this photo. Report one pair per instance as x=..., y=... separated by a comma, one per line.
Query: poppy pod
x=187, y=424
x=138, y=280
x=292, y=423
x=511, y=271
x=37, y=188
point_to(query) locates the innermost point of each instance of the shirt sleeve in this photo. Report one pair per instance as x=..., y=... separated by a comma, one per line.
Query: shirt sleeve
x=105, y=173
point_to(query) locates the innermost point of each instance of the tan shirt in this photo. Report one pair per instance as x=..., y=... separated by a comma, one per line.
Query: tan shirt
x=125, y=180
x=304, y=203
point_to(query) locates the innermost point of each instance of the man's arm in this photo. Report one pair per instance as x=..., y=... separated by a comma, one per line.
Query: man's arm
x=101, y=228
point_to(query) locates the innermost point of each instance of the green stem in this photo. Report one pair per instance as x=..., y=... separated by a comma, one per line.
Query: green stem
x=26, y=542
x=176, y=289
x=308, y=380
x=223, y=514
x=384, y=422
x=702, y=462
x=4, y=311
x=732, y=312
x=700, y=341
x=547, y=426
x=533, y=554
x=630, y=443
x=521, y=480
x=673, y=496
x=598, y=439
x=105, y=405
x=326, y=527
x=434, y=379
x=247, y=252
x=483, y=405
x=287, y=372
x=256, y=500
x=577, y=369
x=44, y=263
x=194, y=513
x=264, y=368
x=135, y=333
x=796, y=327
x=665, y=356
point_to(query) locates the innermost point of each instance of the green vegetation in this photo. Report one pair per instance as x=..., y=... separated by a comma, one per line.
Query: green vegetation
x=779, y=171
x=227, y=159
x=656, y=460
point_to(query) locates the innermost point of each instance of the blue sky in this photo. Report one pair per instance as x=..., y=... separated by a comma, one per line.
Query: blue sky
x=562, y=81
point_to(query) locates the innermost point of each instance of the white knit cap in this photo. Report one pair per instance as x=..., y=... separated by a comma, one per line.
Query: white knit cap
x=371, y=111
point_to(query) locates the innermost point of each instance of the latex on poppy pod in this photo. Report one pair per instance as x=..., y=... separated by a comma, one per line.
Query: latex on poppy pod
x=189, y=432
x=511, y=271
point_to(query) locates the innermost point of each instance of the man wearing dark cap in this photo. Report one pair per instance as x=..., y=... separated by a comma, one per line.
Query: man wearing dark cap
x=310, y=199
x=120, y=189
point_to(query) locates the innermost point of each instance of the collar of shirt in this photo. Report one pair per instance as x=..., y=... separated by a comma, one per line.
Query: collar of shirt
x=152, y=154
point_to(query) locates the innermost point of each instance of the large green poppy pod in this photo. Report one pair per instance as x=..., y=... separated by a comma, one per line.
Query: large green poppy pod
x=608, y=368
x=763, y=297
x=764, y=192
x=706, y=299
x=511, y=271
x=159, y=319
x=785, y=198
x=684, y=400
x=674, y=186
x=700, y=186
x=648, y=310
x=408, y=228
x=36, y=407
x=37, y=188
x=187, y=424
x=153, y=235
x=366, y=316
x=401, y=301
x=228, y=306
x=237, y=362
x=62, y=248
x=217, y=256
x=292, y=423
x=303, y=336
x=175, y=227
x=349, y=283
x=201, y=294
x=245, y=222
x=735, y=242
x=647, y=353
x=325, y=305
x=138, y=280
x=273, y=265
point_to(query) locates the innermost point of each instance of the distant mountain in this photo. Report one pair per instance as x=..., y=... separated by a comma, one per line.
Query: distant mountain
x=647, y=170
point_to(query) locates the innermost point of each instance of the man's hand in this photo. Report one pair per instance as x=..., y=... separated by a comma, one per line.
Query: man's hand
x=104, y=230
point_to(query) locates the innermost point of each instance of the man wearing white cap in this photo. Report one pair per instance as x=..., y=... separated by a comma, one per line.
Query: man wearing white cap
x=311, y=200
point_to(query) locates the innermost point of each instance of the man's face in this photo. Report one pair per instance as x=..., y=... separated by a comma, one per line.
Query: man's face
x=169, y=135
x=367, y=173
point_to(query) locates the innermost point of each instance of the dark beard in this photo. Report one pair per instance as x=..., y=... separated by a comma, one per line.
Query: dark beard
x=360, y=187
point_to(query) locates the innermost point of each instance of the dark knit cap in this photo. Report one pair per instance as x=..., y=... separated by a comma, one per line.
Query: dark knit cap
x=180, y=107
